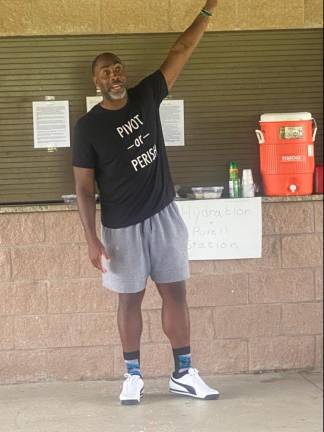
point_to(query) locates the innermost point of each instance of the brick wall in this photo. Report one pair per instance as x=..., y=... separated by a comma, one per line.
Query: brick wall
x=58, y=323
x=59, y=17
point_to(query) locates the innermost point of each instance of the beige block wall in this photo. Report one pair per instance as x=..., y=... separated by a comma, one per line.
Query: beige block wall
x=58, y=323
x=60, y=17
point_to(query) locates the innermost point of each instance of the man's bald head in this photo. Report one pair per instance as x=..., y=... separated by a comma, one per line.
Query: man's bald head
x=109, y=76
x=104, y=57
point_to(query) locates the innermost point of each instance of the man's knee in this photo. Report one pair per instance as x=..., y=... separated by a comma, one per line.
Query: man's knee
x=130, y=301
x=175, y=292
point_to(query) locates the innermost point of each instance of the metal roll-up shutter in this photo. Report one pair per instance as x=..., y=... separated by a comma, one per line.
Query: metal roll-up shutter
x=232, y=78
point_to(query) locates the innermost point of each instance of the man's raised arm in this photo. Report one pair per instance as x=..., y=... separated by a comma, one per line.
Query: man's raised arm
x=185, y=45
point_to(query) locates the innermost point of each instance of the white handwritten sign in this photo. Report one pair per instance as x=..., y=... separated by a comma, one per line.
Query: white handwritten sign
x=223, y=229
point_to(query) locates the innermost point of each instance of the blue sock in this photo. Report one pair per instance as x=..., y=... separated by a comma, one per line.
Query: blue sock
x=182, y=360
x=132, y=362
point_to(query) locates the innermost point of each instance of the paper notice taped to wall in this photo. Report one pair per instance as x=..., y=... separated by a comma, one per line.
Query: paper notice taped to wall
x=172, y=119
x=51, y=124
x=93, y=101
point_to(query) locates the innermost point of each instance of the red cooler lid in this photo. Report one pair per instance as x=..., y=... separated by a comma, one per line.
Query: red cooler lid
x=278, y=117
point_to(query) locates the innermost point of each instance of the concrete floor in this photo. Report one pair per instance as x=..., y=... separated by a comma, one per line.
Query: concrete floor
x=273, y=402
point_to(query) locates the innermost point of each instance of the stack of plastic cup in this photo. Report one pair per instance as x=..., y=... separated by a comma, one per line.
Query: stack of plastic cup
x=248, y=190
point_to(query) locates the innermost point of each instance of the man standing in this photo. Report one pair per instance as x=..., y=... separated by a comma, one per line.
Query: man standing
x=119, y=144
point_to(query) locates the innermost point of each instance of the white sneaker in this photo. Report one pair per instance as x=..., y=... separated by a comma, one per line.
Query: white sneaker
x=192, y=385
x=133, y=390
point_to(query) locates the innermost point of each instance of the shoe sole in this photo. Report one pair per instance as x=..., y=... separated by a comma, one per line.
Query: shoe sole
x=132, y=401
x=208, y=397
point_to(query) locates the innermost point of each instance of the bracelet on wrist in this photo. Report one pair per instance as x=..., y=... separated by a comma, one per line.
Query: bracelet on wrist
x=205, y=13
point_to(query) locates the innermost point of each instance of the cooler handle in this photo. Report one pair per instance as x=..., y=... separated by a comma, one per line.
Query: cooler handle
x=315, y=129
x=260, y=136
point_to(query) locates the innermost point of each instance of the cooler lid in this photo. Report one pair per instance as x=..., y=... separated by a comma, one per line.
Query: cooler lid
x=277, y=117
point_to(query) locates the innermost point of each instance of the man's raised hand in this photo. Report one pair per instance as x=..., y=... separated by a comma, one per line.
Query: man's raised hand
x=210, y=5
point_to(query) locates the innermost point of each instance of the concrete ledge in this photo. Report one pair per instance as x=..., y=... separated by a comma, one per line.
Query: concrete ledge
x=54, y=207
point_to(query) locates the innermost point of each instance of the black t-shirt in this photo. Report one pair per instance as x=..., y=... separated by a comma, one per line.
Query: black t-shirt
x=127, y=151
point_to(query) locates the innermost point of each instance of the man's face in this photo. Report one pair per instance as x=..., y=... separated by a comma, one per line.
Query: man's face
x=110, y=77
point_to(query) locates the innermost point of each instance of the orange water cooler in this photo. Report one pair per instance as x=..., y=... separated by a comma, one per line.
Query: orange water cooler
x=287, y=161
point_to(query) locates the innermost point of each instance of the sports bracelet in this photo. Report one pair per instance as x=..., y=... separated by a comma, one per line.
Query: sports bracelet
x=205, y=13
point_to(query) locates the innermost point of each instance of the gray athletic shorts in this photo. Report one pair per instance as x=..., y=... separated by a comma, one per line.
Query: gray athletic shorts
x=157, y=247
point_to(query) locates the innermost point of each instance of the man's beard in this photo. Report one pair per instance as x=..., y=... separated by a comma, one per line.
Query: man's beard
x=117, y=96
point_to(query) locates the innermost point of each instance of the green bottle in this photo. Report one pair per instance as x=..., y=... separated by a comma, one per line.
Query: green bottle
x=234, y=181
